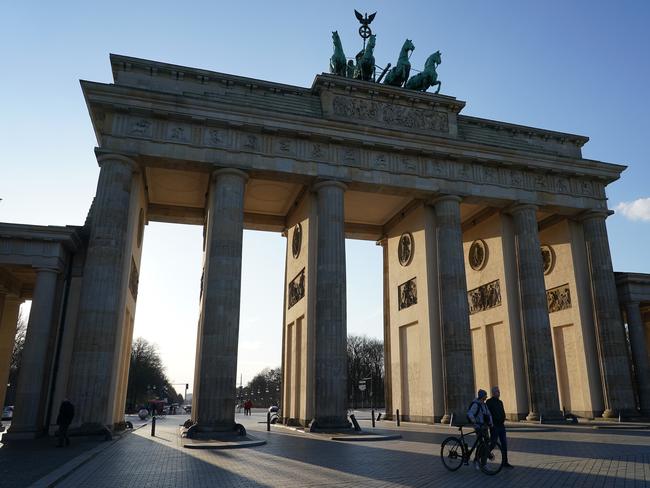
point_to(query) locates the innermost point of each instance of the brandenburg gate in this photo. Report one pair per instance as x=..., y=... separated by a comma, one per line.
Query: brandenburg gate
x=497, y=267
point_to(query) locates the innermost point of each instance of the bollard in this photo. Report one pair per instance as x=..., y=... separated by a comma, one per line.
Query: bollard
x=397, y=416
x=357, y=427
x=268, y=421
x=153, y=426
x=373, y=416
x=378, y=416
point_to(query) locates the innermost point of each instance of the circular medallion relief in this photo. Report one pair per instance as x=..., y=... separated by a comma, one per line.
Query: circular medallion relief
x=406, y=249
x=478, y=255
x=296, y=241
x=140, y=227
x=548, y=258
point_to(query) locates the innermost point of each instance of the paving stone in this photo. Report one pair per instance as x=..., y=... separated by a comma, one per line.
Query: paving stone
x=544, y=457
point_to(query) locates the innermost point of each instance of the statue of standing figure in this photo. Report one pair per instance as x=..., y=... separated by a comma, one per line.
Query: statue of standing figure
x=365, y=67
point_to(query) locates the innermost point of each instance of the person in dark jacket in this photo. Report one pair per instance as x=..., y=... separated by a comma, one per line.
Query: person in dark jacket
x=63, y=420
x=498, y=428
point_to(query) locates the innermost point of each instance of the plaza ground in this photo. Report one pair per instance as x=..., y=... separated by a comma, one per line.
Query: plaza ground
x=544, y=455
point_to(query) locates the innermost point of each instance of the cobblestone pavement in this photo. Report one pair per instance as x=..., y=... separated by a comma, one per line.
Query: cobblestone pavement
x=543, y=455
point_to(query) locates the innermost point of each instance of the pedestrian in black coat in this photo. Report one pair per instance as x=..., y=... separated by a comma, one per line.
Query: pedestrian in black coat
x=63, y=420
x=498, y=429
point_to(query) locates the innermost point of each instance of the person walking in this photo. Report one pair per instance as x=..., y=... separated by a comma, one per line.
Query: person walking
x=479, y=415
x=63, y=420
x=498, y=429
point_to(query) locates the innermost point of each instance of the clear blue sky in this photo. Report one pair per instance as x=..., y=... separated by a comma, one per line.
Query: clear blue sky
x=579, y=66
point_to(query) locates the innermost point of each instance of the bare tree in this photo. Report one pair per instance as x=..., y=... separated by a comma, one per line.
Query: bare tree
x=147, y=379
x=264, y=389
x=365, y=362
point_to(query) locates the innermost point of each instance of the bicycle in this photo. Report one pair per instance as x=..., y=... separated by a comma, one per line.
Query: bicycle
x=455, y=452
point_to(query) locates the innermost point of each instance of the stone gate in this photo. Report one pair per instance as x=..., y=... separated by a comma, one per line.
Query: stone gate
x=497, y=267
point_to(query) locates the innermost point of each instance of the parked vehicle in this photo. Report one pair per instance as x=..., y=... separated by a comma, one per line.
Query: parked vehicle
x=8, y=412
x=274, y=414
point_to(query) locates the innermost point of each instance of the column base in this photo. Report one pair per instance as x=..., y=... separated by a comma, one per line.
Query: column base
x=215, y=431
x=551, y=416
x=532, y=417
x=609, y=414
x=92, y=429
x=330, y=423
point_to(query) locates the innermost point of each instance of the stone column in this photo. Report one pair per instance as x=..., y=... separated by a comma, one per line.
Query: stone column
x=388, y=375
x=636, y=331
x=214, y=405
x=458, y=374
x=330, y=409
x=610, y=335
x=8, y=323
x=536, y=327
x=99, y=319
x=35, y=369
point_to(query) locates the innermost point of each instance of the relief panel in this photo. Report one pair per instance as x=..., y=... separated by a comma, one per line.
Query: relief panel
x=484, y=297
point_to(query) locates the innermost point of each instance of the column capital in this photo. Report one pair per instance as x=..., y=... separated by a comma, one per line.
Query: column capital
x=446, y=198
x=517, y=207
x=325, y=183
x=229, y=171
x=103, y=158
x=595, y=213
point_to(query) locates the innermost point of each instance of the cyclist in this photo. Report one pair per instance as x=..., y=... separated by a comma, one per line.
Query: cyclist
x=479, y=415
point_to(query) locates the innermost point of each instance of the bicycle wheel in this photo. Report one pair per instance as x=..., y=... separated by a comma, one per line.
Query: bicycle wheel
x=490, y=460
x=451, y=453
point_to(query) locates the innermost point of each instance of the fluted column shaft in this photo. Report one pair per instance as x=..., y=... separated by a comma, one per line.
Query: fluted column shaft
x=536, y=327
x=388, y=373
x=610, y=334
x=331, y=329
x=636, y=330
x=454, y=309
x=94, y=358
x=219, y=333
x=8, y=324
x=34, y=368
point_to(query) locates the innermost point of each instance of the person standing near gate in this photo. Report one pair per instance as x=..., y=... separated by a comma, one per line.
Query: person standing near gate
x=63, y=420
x=498, y=428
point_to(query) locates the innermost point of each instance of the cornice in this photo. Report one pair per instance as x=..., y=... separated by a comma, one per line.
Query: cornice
x=68, y=235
